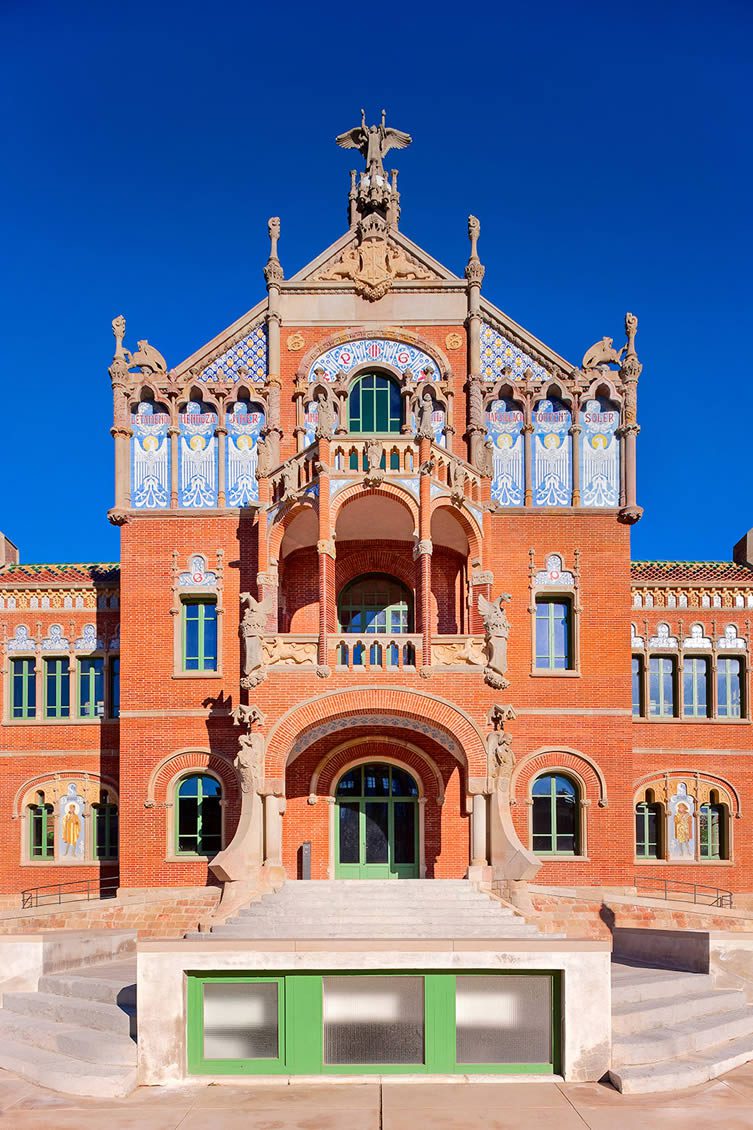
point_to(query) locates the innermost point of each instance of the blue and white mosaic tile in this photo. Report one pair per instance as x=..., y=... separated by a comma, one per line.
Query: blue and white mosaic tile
x=498, y=354
x=250, y=353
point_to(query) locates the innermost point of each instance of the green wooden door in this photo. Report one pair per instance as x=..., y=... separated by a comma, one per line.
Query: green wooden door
x=376, y=824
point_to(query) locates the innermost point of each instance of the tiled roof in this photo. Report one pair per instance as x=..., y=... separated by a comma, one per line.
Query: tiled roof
x=691, y=572
x=60, y=574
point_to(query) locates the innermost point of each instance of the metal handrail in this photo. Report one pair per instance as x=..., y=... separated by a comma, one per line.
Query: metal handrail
x=89, y=889
x=713, y=896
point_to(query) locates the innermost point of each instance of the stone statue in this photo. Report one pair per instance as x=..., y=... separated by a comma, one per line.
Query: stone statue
x=374, y=142
x=252, y=631
x=327, y=414
x=424, y=427
x=496, y=629
x=249, y=761
x=263, y=459
x=374, y=472
x=631, y=328
x=500, y=757
x=289, y=477
x=246, y=715
x=459, y=480
x=119, y=329
x=147, y=358
x=602, y=353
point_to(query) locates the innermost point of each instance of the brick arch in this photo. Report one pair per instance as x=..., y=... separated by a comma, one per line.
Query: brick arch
x=342, y=337
x=701, y=782
x=381, y=749
x=457, y=731
x=470, y=526
x=355, y=491
x=281, y=524
x=586, y=772
x=381, y=559
x=192, y=760
x=54, y=784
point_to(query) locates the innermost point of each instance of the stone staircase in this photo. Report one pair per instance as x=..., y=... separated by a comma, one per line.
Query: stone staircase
x=77, y=1033
x=672, y=1030
x=353, y=908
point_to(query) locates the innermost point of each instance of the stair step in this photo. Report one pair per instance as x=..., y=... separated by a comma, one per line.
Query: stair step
x=685, y=1039
x=652, y=984
x=647, y=1015
x=63, y=1073
x=103, y=989
x=78, y=1043
x=683, y=1071
x=69, y=1010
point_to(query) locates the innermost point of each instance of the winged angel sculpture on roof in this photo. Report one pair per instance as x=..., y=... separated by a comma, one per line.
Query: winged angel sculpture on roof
x=374, y=142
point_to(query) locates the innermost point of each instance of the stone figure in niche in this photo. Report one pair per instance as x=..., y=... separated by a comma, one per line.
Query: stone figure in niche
x=251, y=632
x=249, y=762
x=289, y=481
x=326, y=421
x=459, y=480
x=374, y=473
x=602, y=354
x=496, y=631
x=424, y=427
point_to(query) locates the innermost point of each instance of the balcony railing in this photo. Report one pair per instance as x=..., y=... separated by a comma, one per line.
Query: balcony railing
x=377, y=652
x=378, y=456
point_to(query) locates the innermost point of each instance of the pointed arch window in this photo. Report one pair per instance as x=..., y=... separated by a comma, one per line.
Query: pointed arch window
x=375, y=405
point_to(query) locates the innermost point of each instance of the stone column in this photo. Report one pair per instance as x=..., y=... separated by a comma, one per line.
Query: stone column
x=478, y=831
x=575, y=432
x=326, y=557
x=474, y=274
x=221, y=433
x=630, y=372
x=274, y=276
x=173, y=432
x=528, y=454
x=273, y=809
x=423, y=551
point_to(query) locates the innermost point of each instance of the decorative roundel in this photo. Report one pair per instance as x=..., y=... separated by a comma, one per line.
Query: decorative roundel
x=398, y=354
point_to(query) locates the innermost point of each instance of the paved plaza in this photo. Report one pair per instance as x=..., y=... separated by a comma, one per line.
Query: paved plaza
x=725, y=1102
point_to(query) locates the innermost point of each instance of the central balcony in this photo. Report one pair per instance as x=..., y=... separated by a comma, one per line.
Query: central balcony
x=376, y=652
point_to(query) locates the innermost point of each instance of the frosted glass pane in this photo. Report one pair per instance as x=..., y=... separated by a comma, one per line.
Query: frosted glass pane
x=504, y=1019
x=240, y=1021
x=373, y=1019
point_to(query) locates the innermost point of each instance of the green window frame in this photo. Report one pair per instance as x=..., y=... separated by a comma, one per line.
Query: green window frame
x=199, y=636
x=647, y=830
x=712, y=831
x=637, y=686
x=729, y=685
x=555, y=815
x=375, y=405
x=375, y=603
x=23, y=688
x=554, y=634
x=57, y=688
x=300, y=1025
x=91, y=688
x=696, y=699
x=41, y=829
x=105, y=831
x=198, y=815
x=662, y=686
x=114, y=686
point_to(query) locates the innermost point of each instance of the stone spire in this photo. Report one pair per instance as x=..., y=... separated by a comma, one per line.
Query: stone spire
x=373, y=192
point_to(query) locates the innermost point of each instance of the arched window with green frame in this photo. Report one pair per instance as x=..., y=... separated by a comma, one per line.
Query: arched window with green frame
x=376, y=604
x=198, y=823
x=375, y=405
x=555, y=815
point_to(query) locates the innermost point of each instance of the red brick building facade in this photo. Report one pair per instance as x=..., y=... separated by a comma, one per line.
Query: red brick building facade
x=319, y=511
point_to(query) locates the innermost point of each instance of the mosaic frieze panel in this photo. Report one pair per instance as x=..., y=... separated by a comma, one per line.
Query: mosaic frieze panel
x=504, y=426
x=51, y=601
x=600, y=454
x=398, y=354
x=244, y=426
x=197, y=466
x=499, y=355
x=552, y=454
x=247, y=359
x=691, y=598
x=150, y=459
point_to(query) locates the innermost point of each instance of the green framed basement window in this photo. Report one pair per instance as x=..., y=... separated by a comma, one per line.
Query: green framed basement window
x=41, y=829
x=199, y=634
x=24, y=688
x=198, y=824
x=373, y=1022
x=91, y=688
x=57, y=688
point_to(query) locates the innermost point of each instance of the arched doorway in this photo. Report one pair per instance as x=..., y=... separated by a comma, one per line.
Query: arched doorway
x=376, y=823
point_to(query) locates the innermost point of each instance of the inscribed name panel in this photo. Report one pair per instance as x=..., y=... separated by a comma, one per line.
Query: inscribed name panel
x=150, y=459
x=552, y=454
x=504, y=426
x=197, y=466
x=600, y=454
x=244, y=425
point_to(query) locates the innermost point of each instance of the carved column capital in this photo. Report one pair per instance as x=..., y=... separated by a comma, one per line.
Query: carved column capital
x=326, y=546
x=425, y=546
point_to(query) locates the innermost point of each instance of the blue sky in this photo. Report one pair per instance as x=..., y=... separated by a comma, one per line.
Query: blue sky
x=606, y=151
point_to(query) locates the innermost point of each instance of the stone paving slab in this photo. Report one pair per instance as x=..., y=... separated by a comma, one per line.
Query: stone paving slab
x=723, y=1104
